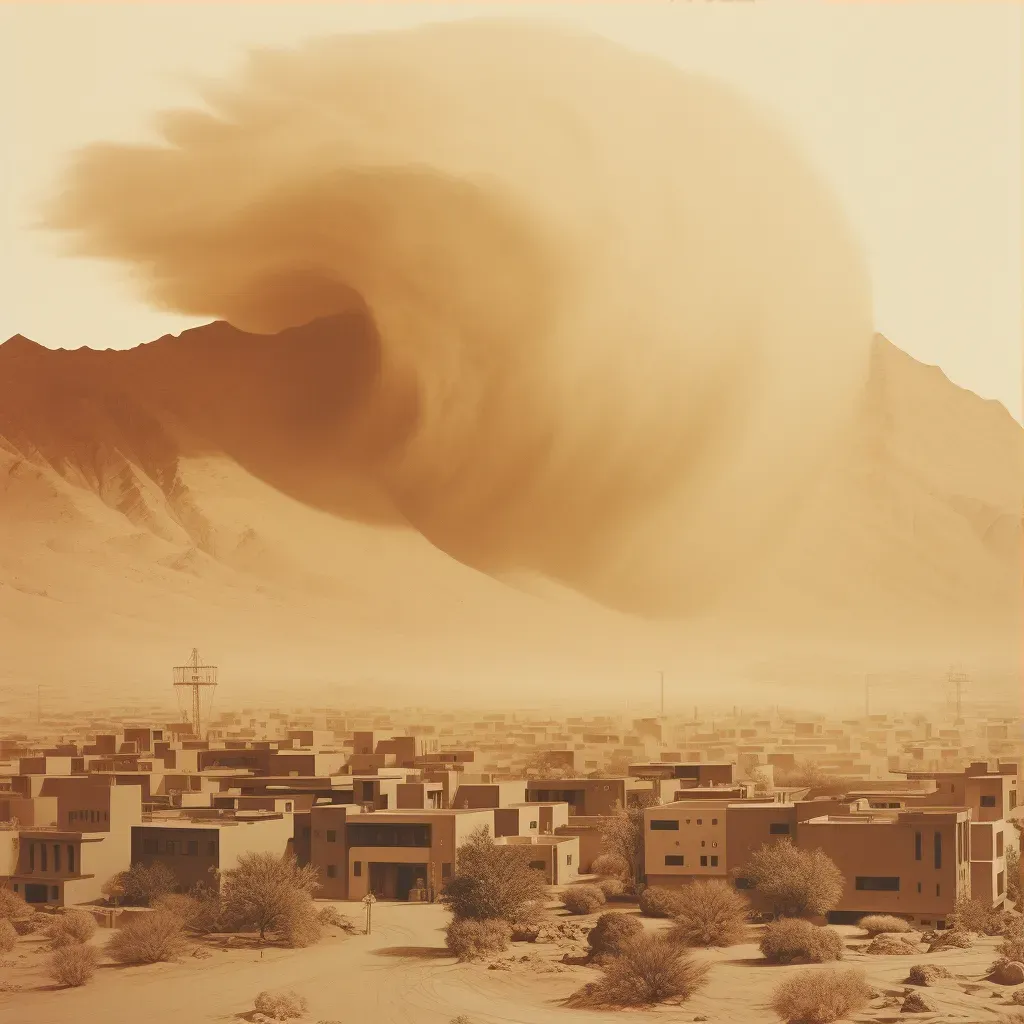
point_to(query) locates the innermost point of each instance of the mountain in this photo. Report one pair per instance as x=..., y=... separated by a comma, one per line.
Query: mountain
x=200, y=490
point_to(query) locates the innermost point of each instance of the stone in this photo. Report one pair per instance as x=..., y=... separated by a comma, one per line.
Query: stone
x=1009, y=973
x=916, y=1003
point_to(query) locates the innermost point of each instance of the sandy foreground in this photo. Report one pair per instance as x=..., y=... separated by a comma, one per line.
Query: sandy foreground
x=401, y=973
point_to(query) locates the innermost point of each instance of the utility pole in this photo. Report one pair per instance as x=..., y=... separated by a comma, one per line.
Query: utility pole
x=662, y=675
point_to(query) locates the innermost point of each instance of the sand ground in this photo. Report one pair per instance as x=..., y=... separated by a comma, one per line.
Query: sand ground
x=401, y=974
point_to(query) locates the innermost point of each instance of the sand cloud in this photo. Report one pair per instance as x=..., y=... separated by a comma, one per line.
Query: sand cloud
x=616, y=318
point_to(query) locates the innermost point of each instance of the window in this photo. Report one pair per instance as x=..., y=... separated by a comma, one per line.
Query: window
x=675, y=860
x=999, y=844
x=938, y=849
x=357, y=868
x=1000, y=883
x=703, y=842
x=193, y=847
x=1013, y=799
x=877, y=883
x=917, y=846
x=169, y=848
x=568, y=859
x=446, y=871
x=538, y=865
x=56, y=857
x=988, y=800
x=31, y=856
x=288, y=806
x=714, y=861
x=42, y=856
x=533, y=824
x=54, y=893
x=938, y=889
x=332, y=871
x=714, y=821
x=663, y=825
x=703, y=862
x=779, y=828
x=332, y=835
x=700, y=821
x=71, y=858
x=918, y=886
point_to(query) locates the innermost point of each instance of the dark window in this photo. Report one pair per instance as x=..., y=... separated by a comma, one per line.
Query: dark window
x=703, y=862
x=31, y=856
x=42, y=856
x=675, y=860
x=714, y=861
x=988, y=801
x=538, y=865
x=71, y=858
x=938, y=849
x=357, y=868
x=54, y=893
x=999, y=844
x=332, y=835
x=211, y=848
x=700, y=821
x=388, y=835
x=918, y=886
x=938, y=889
x=714, y=821
x=779, y=828
x=332, y=871
x=56, y=857
x=1000, y=883
x=664, y=825
x=533, y=824
x=193, y=847
x=1013, y=799
x=877, y=883
x=446, y=870
x=288, y=806
x=917, y=846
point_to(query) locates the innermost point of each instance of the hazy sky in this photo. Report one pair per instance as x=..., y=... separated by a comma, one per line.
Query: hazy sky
x=913, y=111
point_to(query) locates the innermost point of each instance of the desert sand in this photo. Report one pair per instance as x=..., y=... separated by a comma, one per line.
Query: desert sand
x=401, y=972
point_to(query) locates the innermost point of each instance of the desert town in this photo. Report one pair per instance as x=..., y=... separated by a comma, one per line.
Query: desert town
x=879, y=853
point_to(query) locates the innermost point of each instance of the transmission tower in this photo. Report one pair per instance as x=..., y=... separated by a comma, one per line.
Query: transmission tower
x=958, y=681
x=194, y=684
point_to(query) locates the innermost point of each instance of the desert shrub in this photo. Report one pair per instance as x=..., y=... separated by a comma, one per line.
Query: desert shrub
x=468, y=938
x=795, y=882
x=977, y=916
x=622, y=836
x=72, y=965
x=141, y=885
x=13, y=907
x=583, y=899
x=649, y=969
x=820, y=996
x=1013, y=875
x=330, y=917
x=73, y=926
x=1012, y=945
x=876, y=924
x=491, y=881
x=8, y=936
x=657, y=902
x=265, y=892
x=709, y=913
x=611, y=865
x=611, y=932
x=148, y=939
x=281, y=1005
x=890, y=945
x=300, y=926
x=790, y=939
x=952, y=938
x=611, y=887
x=927, y=974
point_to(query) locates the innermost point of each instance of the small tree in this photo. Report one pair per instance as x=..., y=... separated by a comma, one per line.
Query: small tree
x=648, y=970
x=148, y=939
x=622, y=836
x=72, y=965
x=492, y=882
x=8, y=936
x=142, y=885
x=1013, y=875
x=262, y=890
x=794, y=882
x=709, y=913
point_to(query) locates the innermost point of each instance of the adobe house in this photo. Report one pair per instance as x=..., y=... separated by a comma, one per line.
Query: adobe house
x=556, y=857
x=586, y=797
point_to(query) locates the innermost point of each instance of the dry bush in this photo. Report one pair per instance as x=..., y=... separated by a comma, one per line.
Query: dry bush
x=330, y=917
x=794, y=881
x=1012, y=945
x=611, y=865
x=8, y=936
x=13, y=907
x=72, y=965
x=953, y=938
x=611, y=887
x=469, y=939
x=657, y=902
x=148, y=939
x=790, y=939
x=890, y=945
x=709, y=913
x=649, y=969
x=1018, y=997
x=821, y=996
x=876, y=924
x=141, y=885
x=73, y=926
x=583, y=899
x=977, y=916
x=281, y=1005
x=611, y=932
x=300, y=926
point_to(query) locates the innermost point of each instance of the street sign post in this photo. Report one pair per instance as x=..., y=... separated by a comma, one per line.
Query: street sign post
x=369, y=899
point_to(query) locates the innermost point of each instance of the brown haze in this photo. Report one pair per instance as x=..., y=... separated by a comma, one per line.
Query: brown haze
x=564, y=311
